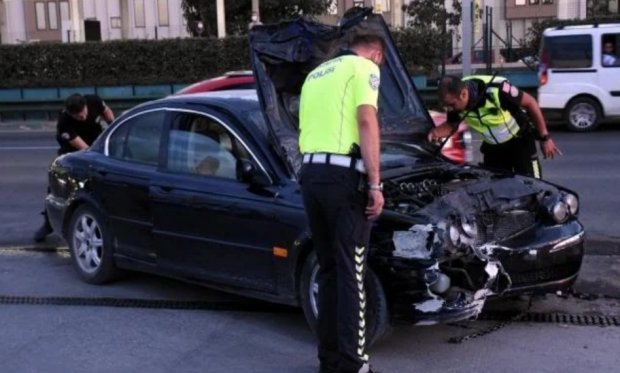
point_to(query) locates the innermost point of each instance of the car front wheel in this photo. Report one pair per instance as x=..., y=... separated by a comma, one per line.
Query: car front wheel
x=377, y=317
x=582, y=114
x=90, y=247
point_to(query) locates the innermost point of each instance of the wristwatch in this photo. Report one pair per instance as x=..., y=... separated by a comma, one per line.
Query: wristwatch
x=378, y=187
x=545, y=137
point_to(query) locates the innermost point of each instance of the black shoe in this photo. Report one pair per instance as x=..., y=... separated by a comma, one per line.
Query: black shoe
x=42, y=232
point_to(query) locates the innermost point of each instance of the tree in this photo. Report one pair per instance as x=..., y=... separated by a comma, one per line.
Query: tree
x=433, y=17
x=238, y=13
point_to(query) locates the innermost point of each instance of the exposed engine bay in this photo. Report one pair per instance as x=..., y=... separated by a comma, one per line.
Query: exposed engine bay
x=461, y=221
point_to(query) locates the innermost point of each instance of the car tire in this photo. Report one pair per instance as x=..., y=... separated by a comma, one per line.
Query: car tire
x=582, y=114
x=377, y=315
x=90, y=246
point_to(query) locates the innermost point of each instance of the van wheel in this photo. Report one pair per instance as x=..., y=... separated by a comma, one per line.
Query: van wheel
x=377, y=317
x=582, y=114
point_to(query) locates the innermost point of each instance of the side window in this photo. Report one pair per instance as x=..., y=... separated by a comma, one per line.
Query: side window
x=569, y=52
x=201, y=145
x=138, y=138
x=610, y=43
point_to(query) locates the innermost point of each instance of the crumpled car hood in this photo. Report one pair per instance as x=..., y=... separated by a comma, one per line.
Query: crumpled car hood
x=284, y=53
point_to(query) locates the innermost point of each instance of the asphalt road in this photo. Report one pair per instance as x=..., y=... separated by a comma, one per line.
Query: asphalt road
x=250, y=336
x=66, y=339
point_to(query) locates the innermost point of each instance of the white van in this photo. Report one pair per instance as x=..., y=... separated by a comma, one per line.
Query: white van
x=579, y=74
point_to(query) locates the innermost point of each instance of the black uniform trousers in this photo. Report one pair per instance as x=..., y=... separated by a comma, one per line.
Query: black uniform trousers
x=335, y=199
x=518, y=155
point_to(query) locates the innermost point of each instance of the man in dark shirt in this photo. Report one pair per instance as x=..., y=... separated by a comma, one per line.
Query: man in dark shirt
x=78, y=125
x=77, y=128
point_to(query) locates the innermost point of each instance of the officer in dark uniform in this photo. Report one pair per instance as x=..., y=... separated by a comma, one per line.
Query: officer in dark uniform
x=77, y=128
x=494, y=110
x=342, y=192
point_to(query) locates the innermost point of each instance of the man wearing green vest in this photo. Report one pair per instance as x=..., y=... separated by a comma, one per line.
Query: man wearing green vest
x=342, y=192
x=494, y=110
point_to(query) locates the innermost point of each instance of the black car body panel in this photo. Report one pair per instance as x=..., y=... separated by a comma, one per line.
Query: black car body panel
x=449, y=236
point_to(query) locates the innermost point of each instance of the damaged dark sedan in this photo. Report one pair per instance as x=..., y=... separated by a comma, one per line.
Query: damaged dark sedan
x=204, y=188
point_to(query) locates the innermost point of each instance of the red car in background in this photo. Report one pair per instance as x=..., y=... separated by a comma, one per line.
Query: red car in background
x=457, y=148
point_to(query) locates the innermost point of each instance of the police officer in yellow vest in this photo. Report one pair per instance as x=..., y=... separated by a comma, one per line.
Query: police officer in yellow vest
x=342, y=192
x=494, y=110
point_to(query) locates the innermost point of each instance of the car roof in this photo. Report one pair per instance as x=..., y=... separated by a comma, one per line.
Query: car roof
x=595, y=28
x=235, y=100
x=230, y=79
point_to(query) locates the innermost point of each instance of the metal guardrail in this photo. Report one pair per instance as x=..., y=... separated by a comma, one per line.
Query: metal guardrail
x=45, y=103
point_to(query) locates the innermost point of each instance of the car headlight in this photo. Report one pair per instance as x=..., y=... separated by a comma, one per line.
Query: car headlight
x=572, y=202
x=464, y=233
x=560, y=212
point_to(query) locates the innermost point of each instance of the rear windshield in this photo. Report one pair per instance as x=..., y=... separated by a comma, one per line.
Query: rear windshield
x=567, y=52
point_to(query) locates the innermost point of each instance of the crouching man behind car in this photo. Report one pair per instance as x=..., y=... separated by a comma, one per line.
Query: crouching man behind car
x=340, y=182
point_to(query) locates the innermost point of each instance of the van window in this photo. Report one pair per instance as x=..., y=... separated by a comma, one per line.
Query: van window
x=567, y=52
x=609, y=46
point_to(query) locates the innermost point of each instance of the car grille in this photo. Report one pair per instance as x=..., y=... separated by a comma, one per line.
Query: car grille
x=496, y=227
x=555, y=273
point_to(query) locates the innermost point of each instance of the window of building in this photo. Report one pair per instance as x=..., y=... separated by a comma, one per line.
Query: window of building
x=64, y=11
x=52, y=12
x=358, y=3
x=519, y=2
x=138, y=9
x=162, y=11
x=534, y=2
x=39, y=10
x=547, y=1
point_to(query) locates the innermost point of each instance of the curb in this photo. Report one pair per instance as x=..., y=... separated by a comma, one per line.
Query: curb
x=600, y=244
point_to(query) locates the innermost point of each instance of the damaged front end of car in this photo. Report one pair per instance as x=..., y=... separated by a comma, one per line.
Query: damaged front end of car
x=450, y=238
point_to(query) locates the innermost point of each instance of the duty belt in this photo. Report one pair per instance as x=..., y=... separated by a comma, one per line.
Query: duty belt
x=335, y=160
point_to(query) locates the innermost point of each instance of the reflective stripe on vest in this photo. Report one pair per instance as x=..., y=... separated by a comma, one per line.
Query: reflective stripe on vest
x=495, y=125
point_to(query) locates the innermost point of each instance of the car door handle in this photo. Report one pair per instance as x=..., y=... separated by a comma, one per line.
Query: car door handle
x=98, y=170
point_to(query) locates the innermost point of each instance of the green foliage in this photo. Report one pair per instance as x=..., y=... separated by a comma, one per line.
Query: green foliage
x=238, y=13
x=120, y=62
x=163, y=61
x=433, y=13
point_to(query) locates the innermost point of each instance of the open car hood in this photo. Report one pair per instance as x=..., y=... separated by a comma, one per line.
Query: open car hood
x=283, y=54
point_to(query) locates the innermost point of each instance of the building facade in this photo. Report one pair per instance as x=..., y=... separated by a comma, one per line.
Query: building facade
x=23, y=21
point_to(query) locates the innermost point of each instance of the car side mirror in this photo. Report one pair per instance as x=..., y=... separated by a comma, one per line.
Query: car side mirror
x=251, y=174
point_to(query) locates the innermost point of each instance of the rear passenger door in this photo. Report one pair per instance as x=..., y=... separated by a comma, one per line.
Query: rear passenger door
x=123, y=181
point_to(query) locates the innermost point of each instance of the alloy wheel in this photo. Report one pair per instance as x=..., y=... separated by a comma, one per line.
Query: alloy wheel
x=88, y=243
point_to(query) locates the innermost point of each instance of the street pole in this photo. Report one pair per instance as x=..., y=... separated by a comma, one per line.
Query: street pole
x=221, y=19
x=256, y=8
x=467, y=28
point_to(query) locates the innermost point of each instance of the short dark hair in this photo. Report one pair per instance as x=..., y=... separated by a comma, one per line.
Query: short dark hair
x=75, y=103
x=368, y=38
x=451, y=85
